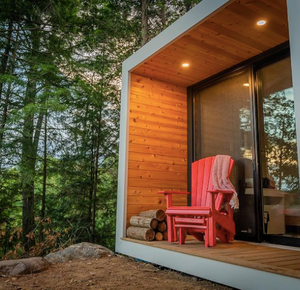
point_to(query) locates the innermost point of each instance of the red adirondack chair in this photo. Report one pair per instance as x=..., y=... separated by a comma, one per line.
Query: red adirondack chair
x=207, y=216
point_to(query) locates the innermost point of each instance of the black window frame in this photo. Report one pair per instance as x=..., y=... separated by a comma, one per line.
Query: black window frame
x=253, y=64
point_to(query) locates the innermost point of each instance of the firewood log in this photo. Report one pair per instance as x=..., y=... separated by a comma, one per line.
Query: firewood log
x=159, y=236
x=162, y=226
x=165, y=234
x=144, y=222
x=146, y=234
x=159, y=214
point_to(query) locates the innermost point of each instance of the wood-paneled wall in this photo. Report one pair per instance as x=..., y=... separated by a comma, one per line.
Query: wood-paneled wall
x=157, y=143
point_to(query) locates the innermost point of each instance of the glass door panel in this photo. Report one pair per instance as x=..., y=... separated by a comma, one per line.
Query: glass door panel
x=223, y=125
x=279, y=160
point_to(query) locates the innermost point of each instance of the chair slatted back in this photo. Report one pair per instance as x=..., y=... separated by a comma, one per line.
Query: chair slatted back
x=202, y=181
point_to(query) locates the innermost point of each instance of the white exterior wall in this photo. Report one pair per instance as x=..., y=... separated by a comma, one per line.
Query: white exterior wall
x=123, y=157
x=294, y=31
x=232, y=275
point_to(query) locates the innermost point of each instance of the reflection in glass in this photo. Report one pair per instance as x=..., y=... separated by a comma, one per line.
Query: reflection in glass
x=223, y=126
x=279, y=160
x=280, y=140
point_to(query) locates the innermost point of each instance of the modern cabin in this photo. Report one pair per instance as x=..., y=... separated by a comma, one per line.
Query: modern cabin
x=223, y=79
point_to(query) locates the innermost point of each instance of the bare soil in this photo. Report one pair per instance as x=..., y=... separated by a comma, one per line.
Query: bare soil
x=116, y=272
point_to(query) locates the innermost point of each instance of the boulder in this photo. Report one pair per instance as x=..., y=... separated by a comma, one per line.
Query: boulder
x=23, y=266
x=81, y=251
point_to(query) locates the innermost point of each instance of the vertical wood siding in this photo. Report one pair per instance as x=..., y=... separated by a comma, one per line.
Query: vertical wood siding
x=157, y=143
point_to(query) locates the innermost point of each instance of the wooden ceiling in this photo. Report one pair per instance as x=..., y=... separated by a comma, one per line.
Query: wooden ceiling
x=220, y=42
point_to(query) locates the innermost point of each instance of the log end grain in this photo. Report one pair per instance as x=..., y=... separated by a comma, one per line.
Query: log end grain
x=154, y=224
x=162, y=226
x=160, y=215
x=159, y=236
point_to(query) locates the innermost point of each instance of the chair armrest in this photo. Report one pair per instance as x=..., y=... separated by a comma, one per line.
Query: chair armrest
x=222, y=191
x=169, y=196
x=225, y=195
x=169, y=192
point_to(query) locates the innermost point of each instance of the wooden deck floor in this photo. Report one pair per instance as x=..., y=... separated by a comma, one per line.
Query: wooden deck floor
x=262, y=257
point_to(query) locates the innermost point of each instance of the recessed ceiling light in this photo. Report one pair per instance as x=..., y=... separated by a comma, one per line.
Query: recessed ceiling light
x=246, y=85
x=261, y=22
x=185, y=64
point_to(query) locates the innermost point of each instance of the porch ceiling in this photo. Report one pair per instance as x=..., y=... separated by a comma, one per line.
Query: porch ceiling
x=223, y=40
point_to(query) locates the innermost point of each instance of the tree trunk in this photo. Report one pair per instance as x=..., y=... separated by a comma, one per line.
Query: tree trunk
x=27, y=170
x=28, y=162
x=4, y=117
x=96, y=171
x=4, y=61
x=281, y=142
x=43, y=206
x=163, y=15
x=29, y=141
x=144, y=9
x=91, y=194
x=187, y=5
x=8, y=93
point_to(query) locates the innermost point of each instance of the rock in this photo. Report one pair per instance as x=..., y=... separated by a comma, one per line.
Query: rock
x=23, y=266
x=82, y=251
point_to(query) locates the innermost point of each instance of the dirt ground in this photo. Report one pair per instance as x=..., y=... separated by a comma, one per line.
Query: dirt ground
x=117, y=272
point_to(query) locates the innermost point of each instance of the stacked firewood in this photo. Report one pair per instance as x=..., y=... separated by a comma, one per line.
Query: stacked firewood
x=149, y=225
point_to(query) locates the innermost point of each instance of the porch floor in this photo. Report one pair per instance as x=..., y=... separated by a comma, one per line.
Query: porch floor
x=264, y=257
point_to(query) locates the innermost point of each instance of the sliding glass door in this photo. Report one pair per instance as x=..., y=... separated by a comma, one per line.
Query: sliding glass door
x=249, y=115
x=278, y=156
x=223, y=125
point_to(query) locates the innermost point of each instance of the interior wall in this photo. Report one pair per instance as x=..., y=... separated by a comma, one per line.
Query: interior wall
x=157, y=144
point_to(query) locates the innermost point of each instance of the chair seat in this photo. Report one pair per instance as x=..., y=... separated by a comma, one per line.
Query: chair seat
x=189, y=210
x=189, y=220
x=191, y=227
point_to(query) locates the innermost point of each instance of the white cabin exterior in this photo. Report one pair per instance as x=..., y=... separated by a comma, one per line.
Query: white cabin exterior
x=143, y=66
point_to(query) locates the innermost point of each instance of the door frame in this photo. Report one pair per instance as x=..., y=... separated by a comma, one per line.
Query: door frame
x=271, y=238
x=275, y=54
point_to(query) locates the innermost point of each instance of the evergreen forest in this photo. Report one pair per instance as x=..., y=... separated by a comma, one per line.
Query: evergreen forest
x=60, y=80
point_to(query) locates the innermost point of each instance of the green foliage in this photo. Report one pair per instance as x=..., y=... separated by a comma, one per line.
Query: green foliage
x=60, y=72
x=281, y=144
